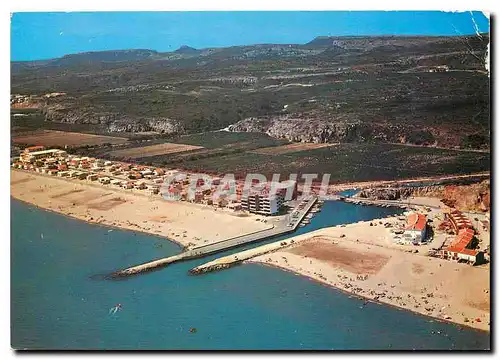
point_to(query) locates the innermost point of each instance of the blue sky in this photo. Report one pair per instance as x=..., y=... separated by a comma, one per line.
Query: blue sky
x=48, y=35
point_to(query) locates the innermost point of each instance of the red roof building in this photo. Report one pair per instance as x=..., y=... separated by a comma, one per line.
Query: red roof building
x=34, y=148
x=416, y=221
x=416, y=228
x=458, y=220
x=458, y=248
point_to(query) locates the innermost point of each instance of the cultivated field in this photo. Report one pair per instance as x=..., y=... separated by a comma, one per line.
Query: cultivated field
x=153, y=150
x=289, y=148
x=348, y=162
x=63, y=138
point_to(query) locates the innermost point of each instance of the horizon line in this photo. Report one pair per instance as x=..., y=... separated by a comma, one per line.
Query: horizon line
x=256, y=44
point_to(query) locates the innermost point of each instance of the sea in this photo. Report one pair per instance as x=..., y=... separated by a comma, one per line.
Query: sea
x=61, y=297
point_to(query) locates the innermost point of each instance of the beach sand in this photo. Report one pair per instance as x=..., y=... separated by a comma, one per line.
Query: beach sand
x=359, y=260
x=185, y=223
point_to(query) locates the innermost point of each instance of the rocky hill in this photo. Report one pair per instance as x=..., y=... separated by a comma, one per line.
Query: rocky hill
x=415, y=90
x=472, y=197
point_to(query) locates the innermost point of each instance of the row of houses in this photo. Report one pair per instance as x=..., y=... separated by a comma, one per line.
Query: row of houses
x=460, y=249
x=264, y=199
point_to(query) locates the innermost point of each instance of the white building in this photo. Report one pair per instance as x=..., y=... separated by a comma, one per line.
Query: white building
x=416, y=230
x=262, y=203
x=30, y=157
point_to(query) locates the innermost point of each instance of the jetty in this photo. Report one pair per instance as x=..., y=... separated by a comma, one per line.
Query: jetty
x=297, y=215
x=381, y=203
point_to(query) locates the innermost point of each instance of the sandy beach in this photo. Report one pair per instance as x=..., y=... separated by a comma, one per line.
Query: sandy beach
x=355, y=259
x=361, y=259
x=185, y=223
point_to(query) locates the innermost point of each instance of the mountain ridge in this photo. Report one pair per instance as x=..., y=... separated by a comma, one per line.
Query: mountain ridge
x=431, y=91
x=317, y=41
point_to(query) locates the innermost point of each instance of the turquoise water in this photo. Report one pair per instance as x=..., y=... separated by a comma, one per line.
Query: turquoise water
x=59, y=301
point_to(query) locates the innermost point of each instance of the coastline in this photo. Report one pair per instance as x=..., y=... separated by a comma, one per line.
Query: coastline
x=345, y=247
x=361, y=297
x=183, y=223
x=361, y=260
x=100, y=224
x=354, y=259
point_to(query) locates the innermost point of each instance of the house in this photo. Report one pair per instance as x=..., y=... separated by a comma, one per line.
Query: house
x=159, y=172
x=198, y=197
x=82, y=175
x=74, y=161
x=116, y=182
x=128, y=185
x=32, y=156
x=235, y=206
x=104, y=180
x=172, y=194
x=458, y=249
x=134, y=175
x=416, y=229
x=153, y=189
x=34, y=148
x=92, y=177
x=458, y=220
x=140, y=185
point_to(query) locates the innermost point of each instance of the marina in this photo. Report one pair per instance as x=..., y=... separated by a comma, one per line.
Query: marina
x=297, y=217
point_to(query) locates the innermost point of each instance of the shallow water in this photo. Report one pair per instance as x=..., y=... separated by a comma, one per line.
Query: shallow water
x=59, y=301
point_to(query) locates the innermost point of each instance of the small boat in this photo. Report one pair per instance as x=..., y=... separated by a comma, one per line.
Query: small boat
x=192, y=330
x=114, y=309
